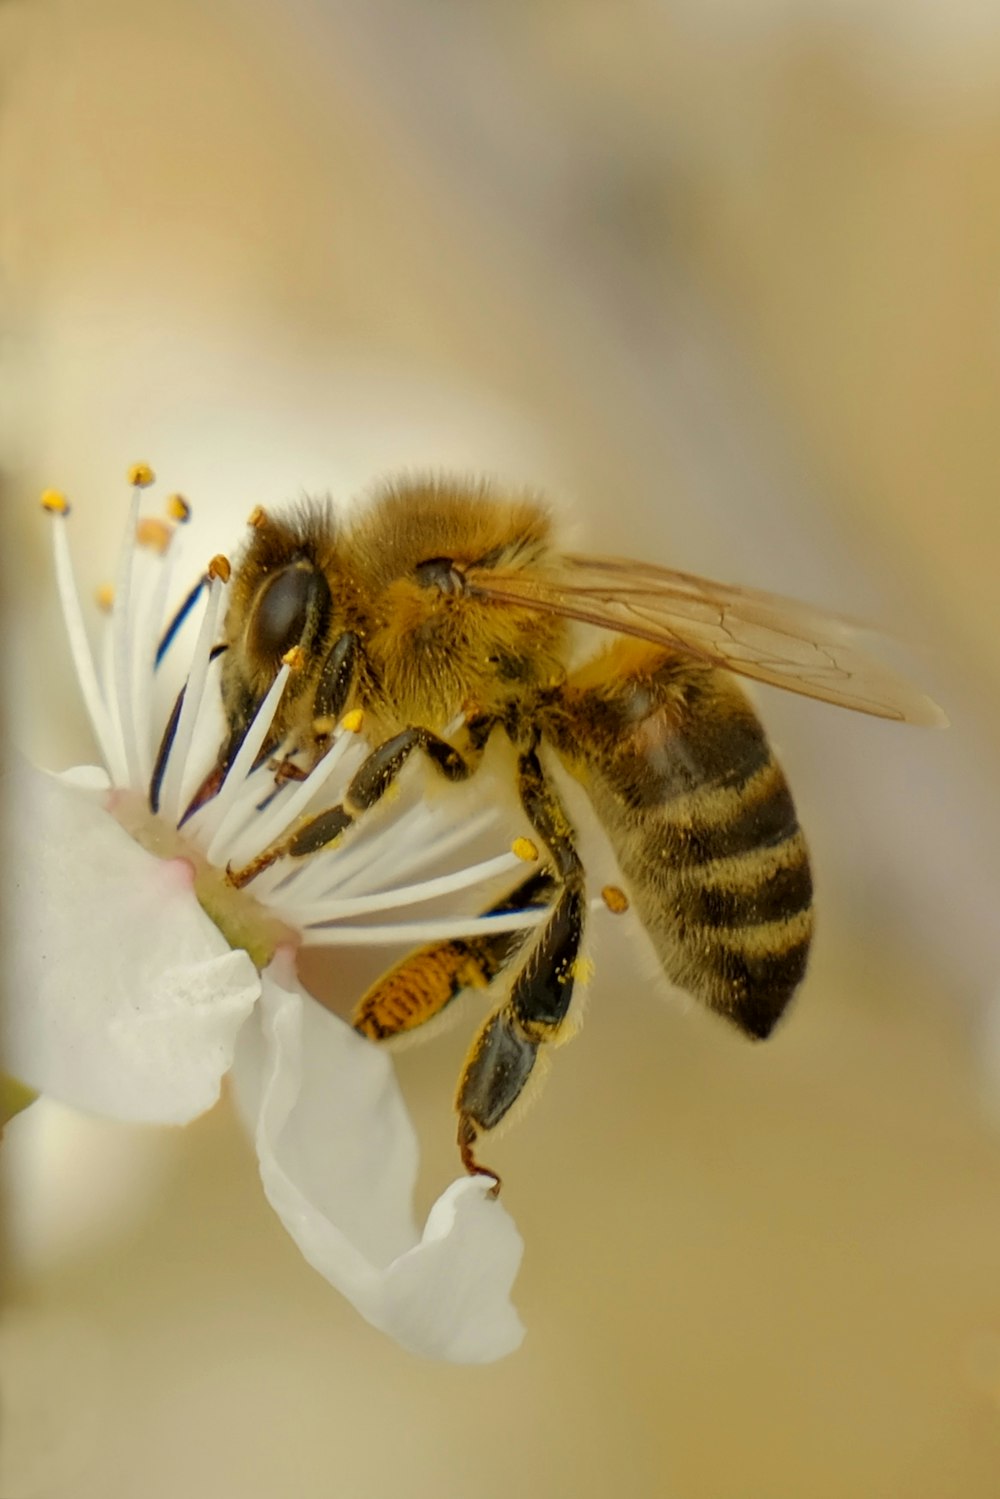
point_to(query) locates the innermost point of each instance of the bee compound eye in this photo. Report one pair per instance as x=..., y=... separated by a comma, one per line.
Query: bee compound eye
x=285, y=606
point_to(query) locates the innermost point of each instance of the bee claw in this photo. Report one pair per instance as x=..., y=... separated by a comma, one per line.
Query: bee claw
x=467, y=1136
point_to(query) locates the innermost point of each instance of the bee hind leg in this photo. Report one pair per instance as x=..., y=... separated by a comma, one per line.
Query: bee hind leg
x=506, y=1050
x=426, y=981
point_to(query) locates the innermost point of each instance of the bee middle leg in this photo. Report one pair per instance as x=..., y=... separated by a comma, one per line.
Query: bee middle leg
x=505, y=1051
x=370, y=783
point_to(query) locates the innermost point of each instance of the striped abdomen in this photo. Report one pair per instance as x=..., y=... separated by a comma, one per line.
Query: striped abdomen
x=702, y=822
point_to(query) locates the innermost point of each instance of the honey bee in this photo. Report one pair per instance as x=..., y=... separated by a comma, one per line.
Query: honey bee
x=444, y=601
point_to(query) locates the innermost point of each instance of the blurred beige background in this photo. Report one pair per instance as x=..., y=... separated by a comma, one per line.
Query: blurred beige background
x=725, y=281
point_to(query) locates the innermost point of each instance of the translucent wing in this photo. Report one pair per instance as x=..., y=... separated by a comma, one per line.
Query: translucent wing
x=758, y=635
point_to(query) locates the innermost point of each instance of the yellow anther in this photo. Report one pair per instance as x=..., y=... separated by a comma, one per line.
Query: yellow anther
x=141, y=475
x=178, y=508
x=351, y=722
x=616, y=900
x=323, y=726
x=219, y=568
x=525, y=849
x=105, y=596
x=55, y=502
x=294, y=659
x=153, y=533
x=257, y=516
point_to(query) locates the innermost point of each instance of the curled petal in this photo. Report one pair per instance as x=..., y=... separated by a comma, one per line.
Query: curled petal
x=338, y=1162
x=122, y=997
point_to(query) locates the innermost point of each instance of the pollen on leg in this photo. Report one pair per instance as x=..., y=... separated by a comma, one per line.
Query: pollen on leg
x=582, y=970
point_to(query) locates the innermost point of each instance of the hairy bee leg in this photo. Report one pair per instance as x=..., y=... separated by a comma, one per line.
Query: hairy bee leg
x=337, y=677
x=505, y=1051
x=370, y=783
x=426, y=981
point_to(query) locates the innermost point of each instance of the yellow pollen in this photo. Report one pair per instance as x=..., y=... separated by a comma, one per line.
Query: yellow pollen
x=178, y=508
x=323, y=726
x=294, y=659
x=257, y=516
x=154, y=534
x=351, y=722
x=582, y=970
x=219, y=568
x=525, y=849
x=141, y=475
x=616, y=900
x=55, y=502
x=105, y=596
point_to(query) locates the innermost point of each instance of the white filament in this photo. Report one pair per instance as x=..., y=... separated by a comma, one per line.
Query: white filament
x=83, y=661
x=405, y=895
x=173, y=779
x=418, y=932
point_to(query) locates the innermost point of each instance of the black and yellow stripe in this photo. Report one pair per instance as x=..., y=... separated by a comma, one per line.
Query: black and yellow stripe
x=702, y=821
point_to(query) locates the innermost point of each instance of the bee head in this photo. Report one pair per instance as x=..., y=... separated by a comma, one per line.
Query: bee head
x=280, y=600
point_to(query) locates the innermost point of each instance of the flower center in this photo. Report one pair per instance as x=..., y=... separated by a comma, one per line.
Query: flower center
x=244, y=921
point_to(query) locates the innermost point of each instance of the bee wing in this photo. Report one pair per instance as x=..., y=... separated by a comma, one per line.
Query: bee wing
x=760, y=635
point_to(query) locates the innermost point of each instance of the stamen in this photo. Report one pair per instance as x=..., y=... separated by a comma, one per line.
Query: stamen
x=377, y=861
x=420, y=932
x=173, y=780
x=525, y=849
x=267, y=828
x=154, y=533
x=181, y=614
x=178, y=509
x=163, y=753
x=83, y=660
x=105, y=598
x=144, y=653
x=615, y=899
x=119, y=687
x=245, y=758
x=322, y=912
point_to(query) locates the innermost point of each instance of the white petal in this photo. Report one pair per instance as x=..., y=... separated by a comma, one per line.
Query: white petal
x=122, y=997
x=338, y=1161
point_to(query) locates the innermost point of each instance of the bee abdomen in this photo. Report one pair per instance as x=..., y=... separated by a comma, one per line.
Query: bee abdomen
x=704, y=827
x=723, y=885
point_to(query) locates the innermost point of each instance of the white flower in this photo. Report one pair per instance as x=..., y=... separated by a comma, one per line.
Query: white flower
x=128, y=999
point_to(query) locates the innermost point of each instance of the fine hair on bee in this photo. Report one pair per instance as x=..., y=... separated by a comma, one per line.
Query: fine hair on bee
x=443, y=603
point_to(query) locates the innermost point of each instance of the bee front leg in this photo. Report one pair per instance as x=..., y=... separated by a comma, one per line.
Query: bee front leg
x=370, y=783
x=504, y=1053
x=337, y=677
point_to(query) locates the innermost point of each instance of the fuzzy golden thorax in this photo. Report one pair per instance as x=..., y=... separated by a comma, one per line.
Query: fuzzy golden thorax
x=429, y=649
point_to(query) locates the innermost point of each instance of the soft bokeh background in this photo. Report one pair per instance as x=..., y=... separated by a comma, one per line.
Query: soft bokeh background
x=725, y=281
